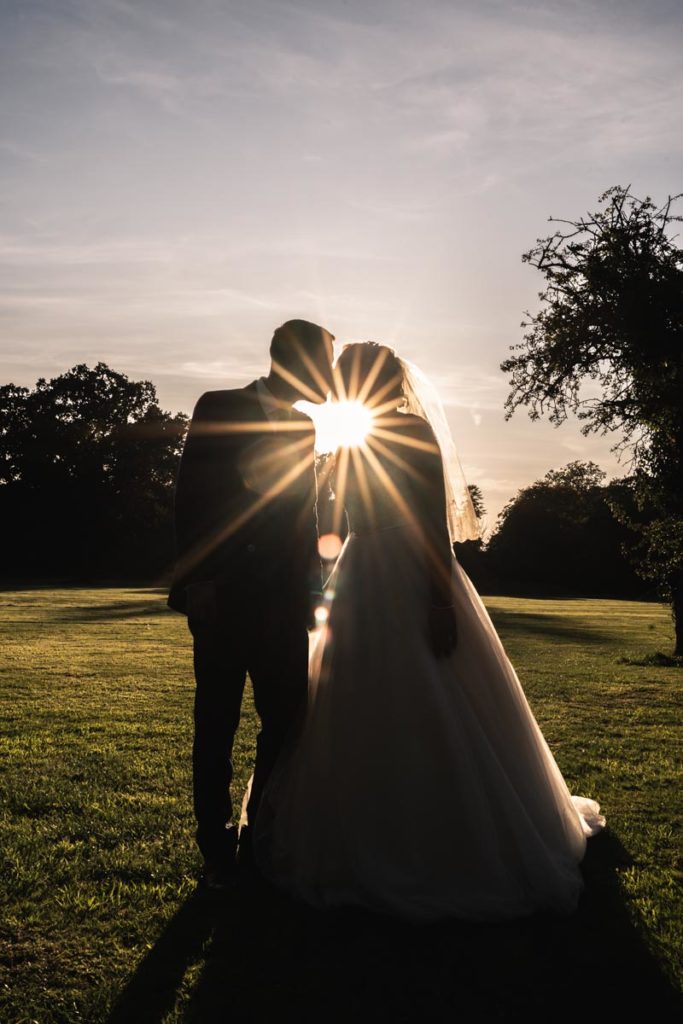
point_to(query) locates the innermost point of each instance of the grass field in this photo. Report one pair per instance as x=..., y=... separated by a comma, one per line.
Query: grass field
x=102, y=920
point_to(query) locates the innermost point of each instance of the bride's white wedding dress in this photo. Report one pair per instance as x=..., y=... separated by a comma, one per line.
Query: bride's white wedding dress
x=418, y=786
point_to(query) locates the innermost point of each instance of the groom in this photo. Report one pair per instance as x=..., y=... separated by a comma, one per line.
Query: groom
x=248, y=572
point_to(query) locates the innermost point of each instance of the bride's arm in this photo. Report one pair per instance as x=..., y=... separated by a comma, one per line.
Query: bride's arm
x=433, y=526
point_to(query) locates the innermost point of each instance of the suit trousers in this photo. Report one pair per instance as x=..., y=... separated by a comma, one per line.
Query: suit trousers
x=266, y=641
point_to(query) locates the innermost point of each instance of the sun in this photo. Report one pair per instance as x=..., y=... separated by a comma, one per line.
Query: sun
x=338, y=424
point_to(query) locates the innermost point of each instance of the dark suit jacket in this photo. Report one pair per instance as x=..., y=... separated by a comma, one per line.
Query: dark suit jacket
x=245, y=504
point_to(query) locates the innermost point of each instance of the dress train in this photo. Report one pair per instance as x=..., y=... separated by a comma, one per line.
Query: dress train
x=418, y=786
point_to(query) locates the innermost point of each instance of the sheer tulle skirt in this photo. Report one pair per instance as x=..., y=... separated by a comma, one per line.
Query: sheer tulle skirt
x=418, y=786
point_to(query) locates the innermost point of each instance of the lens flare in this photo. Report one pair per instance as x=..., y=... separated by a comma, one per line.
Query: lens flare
x=358, y=429
x=329, y=546
x=338, y=424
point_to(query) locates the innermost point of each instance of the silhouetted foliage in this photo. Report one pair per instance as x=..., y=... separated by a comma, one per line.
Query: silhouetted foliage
x=559, y=534
x=612, y=316
x=470, y=553
x=477, y=501
x=87, y=469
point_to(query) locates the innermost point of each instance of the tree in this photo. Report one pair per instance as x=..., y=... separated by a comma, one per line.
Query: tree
x=477, y=500
x=559, y=535
x=470, y=553
x=87, y=467
x=607, y=345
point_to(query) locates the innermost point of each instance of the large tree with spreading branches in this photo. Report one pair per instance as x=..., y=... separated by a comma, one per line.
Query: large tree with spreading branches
x=607, y=346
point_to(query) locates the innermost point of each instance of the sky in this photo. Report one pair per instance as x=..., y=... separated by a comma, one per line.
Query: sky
x=177, y=179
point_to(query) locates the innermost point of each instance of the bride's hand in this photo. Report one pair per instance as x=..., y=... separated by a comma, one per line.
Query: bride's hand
x=442, y=629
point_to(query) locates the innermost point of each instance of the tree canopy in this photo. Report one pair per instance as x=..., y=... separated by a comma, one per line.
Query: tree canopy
x=87, y=468
x=559, y=535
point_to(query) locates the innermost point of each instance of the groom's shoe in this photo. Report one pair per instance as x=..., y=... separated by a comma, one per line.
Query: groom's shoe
x=218, y=875
x=220, y=869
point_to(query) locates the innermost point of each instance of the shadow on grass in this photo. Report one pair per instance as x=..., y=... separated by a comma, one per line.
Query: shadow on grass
x=8, y=586
x=115, y=610
x=268, y=955
x=151, y=992
x=553, y=627
x=656, y=660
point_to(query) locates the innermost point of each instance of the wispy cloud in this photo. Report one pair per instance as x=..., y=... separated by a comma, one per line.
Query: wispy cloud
x=221, y=369
x=48, y=251
x=159, y=84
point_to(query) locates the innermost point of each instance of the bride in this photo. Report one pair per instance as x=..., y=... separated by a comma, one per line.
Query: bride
x=420, y=783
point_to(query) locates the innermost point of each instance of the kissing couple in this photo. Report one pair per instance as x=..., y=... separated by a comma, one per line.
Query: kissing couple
x=398, y=766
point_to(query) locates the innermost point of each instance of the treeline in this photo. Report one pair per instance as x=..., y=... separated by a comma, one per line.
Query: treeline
x=562, y=535
x=87, y=468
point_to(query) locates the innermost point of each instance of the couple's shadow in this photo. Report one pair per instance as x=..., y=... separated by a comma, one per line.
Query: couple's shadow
x=260, y=955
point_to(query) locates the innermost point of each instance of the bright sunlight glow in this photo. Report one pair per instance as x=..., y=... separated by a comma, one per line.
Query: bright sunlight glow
x=338, y=424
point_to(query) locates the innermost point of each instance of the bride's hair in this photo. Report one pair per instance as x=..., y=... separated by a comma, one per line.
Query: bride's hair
x=371, y=370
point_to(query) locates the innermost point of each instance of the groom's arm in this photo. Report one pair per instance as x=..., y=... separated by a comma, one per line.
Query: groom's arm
x=189, y=502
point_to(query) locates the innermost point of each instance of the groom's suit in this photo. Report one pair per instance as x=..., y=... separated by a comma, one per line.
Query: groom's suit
x=245, y=519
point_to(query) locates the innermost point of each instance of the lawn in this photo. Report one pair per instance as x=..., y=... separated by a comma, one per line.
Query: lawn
x=102, y=920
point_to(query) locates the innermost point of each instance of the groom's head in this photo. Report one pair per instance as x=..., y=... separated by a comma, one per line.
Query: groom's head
x=302, y=354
